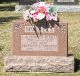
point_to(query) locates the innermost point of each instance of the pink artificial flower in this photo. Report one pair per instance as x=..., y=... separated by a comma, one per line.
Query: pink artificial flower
x=48, y=17
x=35, y=17
x=54, y=16
x=35, y=5
x=39, y=11
x=36, y=13
x=46, y=13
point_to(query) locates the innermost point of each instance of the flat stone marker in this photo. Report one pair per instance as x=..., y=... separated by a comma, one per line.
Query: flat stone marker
x=39, y=49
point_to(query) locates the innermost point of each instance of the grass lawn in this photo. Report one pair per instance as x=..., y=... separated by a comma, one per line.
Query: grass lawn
x=7, y=14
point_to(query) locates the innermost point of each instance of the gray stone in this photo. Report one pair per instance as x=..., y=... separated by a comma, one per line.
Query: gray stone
x=61, y=8
x=21, y=8
x=66, y=2
x=68, y=8
x=39, y=63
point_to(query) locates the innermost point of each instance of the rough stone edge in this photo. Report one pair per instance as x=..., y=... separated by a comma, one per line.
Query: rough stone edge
x=25, y=68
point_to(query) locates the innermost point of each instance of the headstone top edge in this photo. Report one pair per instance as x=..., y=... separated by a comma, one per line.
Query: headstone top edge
x=18, y=21
x=22, y=21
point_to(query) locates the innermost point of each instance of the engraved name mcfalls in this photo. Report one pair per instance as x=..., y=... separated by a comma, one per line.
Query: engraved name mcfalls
x=45, y=30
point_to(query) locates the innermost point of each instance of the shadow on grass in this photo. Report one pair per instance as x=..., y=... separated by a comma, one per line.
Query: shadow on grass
x=77, y=65
x=7, y=8
x=6, y=19
x=1, y=47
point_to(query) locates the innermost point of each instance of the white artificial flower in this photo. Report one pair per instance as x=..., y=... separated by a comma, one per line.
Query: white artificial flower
x=27, y=12
x=30, y=15
x=26, y=15
x=32, y=12
x=41, y=16
x=55, y=17
x=42, y=4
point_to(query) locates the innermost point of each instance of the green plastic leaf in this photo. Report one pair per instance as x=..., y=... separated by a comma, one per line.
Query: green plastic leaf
x=52, y=10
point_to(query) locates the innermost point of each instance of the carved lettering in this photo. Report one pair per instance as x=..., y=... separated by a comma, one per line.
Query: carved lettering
x=43, y=43
x=31, y=29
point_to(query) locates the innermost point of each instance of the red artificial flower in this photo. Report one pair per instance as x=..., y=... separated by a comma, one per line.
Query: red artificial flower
x=46, y=13
x=41, y=9
x=36, y=13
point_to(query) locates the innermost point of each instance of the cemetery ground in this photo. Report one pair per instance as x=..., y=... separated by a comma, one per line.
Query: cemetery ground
x=7, y=14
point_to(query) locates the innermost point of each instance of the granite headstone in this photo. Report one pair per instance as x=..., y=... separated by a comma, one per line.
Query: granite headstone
x=51, y=41
x=39, y=48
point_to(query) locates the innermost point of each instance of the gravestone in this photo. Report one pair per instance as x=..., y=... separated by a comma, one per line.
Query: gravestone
x=66, y=2
x=39, y=49
x=49, y=43
x=26, y=2
x=23, y=5
x=61, y=5
x=67, y=5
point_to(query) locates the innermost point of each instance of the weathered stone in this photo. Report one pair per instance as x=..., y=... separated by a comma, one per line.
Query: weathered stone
x=45, y=42
x=21, y=8
x=66, y=2
x=39, y=63
x=68, y=8
x=61, y=8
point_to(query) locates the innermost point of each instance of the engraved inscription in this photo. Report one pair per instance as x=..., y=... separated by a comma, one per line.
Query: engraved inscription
x=30, y=29
x=43, y=43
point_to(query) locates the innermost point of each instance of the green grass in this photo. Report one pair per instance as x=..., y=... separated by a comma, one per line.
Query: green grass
x=73, y=20
x=6, y=17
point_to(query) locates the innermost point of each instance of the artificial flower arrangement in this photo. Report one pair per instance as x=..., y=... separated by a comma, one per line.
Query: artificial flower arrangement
x=40, y=11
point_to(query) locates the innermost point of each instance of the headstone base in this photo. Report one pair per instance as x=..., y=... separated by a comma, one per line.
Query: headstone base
x=39, y=63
